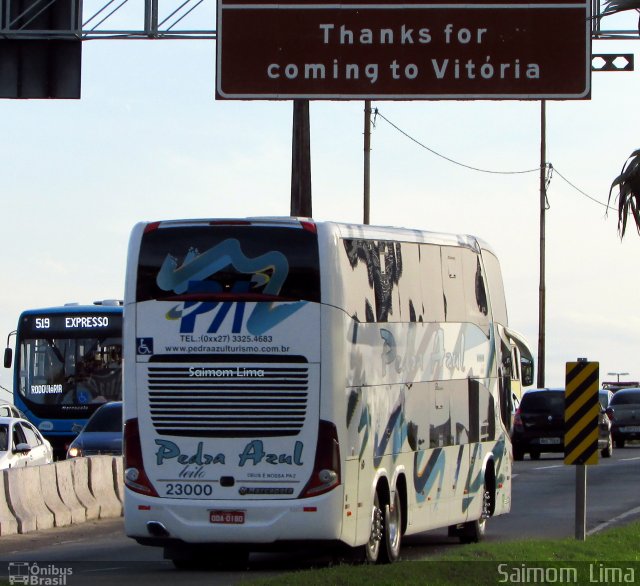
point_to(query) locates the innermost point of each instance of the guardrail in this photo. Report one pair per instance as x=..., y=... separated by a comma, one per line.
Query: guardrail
x=63, y=493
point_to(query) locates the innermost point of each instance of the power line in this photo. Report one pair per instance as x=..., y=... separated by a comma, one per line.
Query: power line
x=377, y=113
x=550, y=167
x=607, y=206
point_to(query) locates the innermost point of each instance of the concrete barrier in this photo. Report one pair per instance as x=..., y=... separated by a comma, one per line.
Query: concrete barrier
x=8, y=523
x=118, y=477
x=64, y=478
x=51, y=496
x=63, y=493
x=26, y=500
x=80, y=473
x=103, y=487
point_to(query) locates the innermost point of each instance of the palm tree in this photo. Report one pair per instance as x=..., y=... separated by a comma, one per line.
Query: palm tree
x=613, y=6
x=628, y=184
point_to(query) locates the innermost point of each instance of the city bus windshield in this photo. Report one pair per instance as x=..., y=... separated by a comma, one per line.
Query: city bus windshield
x=68, y=361
x=70, y=371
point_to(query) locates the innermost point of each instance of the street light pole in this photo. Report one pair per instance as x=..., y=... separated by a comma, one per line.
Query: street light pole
x=618, y=374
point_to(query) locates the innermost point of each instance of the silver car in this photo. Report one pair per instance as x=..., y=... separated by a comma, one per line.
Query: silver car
x=605, y=437
x=21, y=444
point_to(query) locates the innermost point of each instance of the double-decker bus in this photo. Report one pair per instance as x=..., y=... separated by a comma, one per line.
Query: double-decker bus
x=292, y=381
x=68, y=361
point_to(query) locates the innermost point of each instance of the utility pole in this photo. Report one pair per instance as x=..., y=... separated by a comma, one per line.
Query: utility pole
x=367, y=160
x=301, y=161
x=543, y=206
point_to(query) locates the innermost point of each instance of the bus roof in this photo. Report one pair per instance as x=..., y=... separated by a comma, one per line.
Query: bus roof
x=97, y=306
x=348, y=230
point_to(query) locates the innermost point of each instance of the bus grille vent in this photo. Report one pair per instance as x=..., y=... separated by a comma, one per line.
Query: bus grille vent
x=228, y=401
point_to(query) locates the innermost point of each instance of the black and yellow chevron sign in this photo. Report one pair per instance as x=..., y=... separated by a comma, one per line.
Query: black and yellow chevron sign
x=581, y=410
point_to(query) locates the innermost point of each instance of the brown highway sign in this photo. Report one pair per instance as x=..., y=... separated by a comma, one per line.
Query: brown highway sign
x=409, y=50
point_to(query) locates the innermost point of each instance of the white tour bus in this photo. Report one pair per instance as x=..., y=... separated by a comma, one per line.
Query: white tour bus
x=290, y=381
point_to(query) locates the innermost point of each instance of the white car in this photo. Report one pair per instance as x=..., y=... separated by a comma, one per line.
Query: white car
x=9, y=410
x=21, y=444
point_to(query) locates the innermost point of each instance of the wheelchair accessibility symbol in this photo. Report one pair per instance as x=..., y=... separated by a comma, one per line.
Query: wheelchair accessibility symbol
x=144, y=346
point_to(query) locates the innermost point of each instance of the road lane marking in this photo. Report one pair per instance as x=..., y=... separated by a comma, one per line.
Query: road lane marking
x=549, y=467
x=628, y=459
x=614, y=520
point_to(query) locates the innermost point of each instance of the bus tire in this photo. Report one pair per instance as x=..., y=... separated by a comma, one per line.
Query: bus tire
x=373, y=546
x=392, y=530
x=474, y=531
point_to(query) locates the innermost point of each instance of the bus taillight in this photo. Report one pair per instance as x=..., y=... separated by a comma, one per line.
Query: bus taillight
x=326, y=468
x=134, y=475
x=309, y=226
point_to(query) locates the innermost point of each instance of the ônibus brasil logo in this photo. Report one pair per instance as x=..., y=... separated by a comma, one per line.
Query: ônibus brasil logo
x=38, y=575
x=268, y=273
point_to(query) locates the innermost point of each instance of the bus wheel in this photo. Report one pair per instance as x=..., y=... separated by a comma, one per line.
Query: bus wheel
x=372, y=548
x=392, y=531
x=474, y=531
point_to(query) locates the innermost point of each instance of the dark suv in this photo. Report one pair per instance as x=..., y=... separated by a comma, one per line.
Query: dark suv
x=538, y=425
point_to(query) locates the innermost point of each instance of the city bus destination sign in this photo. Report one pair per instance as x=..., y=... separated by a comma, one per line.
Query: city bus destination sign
x=408, y=50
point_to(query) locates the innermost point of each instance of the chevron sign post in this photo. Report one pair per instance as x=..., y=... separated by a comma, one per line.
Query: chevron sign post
x=581, y=411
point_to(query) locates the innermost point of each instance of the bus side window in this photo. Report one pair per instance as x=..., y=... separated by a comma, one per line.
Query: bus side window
x=453, y=286
x=409, y=289
x=431, y=283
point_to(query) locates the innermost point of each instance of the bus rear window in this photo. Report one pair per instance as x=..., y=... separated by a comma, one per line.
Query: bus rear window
x=228, y=262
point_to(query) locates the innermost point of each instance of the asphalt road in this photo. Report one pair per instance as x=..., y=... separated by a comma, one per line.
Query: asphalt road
x=543, y=507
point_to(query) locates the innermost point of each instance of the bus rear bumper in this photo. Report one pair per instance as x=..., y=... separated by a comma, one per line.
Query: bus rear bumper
x=163, y=522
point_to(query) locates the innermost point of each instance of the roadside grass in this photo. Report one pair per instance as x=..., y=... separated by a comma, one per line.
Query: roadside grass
x=609, y=557
x=612, y=556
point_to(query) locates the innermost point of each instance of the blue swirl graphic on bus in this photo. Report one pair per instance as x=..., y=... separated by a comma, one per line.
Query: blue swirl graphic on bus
x=268, y=272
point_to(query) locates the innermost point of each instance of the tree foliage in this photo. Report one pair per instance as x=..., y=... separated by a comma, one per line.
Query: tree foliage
x=628, y=185
x=613, y=6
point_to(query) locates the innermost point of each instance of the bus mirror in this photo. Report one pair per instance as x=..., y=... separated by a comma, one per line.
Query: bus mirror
x=526, y=368
x=8, y=357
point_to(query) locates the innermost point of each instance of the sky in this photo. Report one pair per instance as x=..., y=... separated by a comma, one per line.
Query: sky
x=148, y=141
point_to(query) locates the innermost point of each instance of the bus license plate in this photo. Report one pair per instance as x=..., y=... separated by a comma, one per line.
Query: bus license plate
x=549, y=440
x=227, y=517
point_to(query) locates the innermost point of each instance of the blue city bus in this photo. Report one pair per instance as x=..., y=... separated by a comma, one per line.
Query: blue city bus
x=68, y=362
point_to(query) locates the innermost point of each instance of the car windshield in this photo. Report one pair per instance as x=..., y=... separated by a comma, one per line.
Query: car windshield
x=626, y=398
x=543, y=403
x=4, y=437
x=105, y=419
